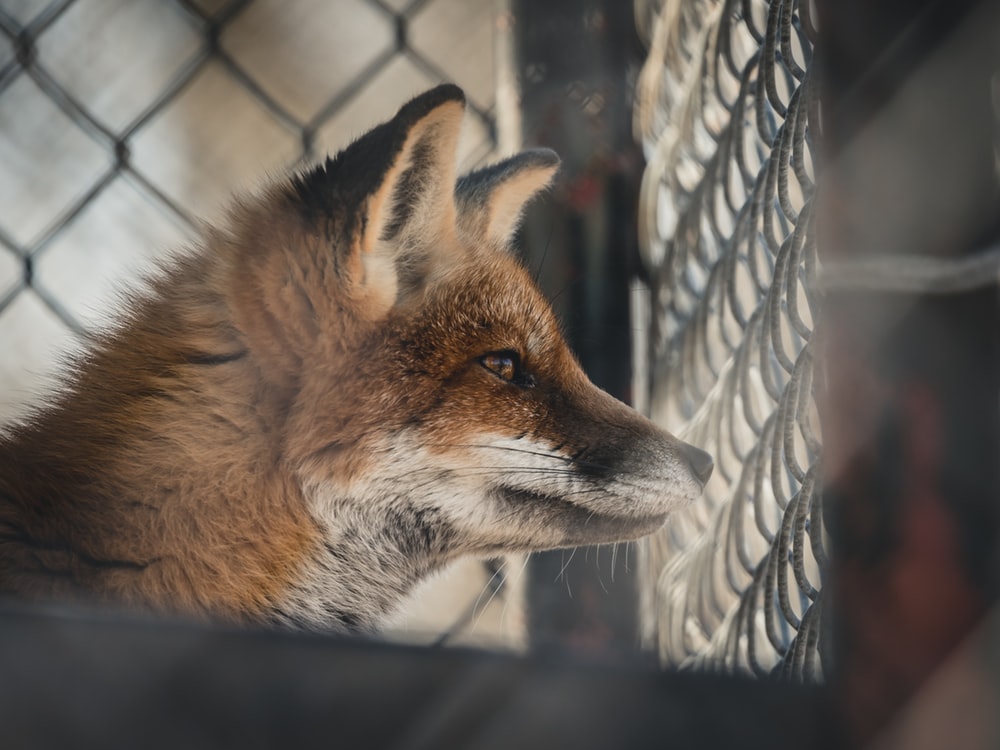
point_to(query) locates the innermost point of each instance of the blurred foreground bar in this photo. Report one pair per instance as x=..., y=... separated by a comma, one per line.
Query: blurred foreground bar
x=86, y=682
x=572, y=61
x=910, y=350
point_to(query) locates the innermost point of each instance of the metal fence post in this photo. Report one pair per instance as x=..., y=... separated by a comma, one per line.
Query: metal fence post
x=572, y=61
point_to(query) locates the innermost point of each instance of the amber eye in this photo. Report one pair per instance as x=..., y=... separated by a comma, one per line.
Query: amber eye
x=506, y=365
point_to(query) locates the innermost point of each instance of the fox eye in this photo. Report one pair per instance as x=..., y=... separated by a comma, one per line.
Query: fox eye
x=506, y=365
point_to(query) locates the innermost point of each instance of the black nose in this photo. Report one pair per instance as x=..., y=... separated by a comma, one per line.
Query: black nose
x=701, y=463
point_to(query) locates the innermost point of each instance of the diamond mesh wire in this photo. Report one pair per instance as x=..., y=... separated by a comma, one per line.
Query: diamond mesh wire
x=725, y=112
x=25, y=26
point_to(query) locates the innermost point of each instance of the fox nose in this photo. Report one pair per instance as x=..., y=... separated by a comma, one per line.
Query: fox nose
x=701, y=463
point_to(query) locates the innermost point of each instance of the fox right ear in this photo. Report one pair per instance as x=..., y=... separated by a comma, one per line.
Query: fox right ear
x=491, y=201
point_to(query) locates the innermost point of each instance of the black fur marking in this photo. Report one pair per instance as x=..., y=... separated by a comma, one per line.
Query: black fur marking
x=415, y=420
x=418, y=532
x=477, y=187
x=15, y=535
x=140, y=505
x=348, y=620
x=153, y=394
x=349, y=178
x=601, y=463
x=594, y=464
x=335, y=552
x=409, y=189
x=330, y=449
x=208, y=360
x=107, y=563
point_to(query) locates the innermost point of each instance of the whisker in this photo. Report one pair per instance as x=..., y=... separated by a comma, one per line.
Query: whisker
x=574, y=460
x=494, y=590
x=562, y=573
x=473, y=471
x=537, y=271
x=568, y=459
x=511, y=583
x=565, y=565
x=597, y=566
x=570, y=283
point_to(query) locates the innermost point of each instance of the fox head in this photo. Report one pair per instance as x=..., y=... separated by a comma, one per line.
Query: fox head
x=350, y=385
x=434, y=392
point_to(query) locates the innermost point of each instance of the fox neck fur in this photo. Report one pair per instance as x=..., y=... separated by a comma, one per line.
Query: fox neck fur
x=350, y=384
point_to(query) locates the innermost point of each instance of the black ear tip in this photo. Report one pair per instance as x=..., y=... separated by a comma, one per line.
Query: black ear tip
x=447, y=92
x=542, y=157
x=428, y=101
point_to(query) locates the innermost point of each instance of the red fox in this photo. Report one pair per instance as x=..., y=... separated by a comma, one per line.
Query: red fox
x=350, y=385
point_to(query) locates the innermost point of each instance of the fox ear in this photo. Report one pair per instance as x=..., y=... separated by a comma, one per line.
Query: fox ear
x=415, y=193
x=411, y=213
x=492, y=200
x=395, y=188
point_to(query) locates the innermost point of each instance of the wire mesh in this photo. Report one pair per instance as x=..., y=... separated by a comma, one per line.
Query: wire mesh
x=26, y=28
x=725, y=113
x=122, y=122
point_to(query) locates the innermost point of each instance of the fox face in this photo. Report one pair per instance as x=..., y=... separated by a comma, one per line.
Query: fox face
x=351, y=385
x=497, y=430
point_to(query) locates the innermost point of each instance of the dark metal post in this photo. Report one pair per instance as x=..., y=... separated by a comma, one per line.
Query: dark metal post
x=572, y=63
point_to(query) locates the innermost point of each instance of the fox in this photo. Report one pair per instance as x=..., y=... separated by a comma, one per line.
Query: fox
x=345, y=386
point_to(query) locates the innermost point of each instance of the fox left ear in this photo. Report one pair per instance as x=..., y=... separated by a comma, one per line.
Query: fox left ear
x=412, y=211
x=491, y=201
x=395, y=185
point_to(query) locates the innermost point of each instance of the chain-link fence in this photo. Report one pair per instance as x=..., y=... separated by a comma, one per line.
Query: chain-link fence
x=725, y=113
x=124, y=123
